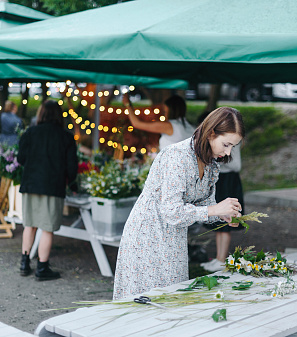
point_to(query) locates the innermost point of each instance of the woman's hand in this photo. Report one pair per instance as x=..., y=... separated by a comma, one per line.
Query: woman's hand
x=226, y=209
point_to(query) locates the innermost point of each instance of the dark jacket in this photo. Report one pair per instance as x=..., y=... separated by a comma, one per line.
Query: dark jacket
x=48, y=154
x=9, y=123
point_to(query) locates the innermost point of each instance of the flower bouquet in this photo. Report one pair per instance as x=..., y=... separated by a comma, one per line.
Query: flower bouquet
x=9, y=167
x=248, y=262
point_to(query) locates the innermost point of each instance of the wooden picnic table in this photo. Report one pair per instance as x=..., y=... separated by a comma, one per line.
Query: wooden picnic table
x=251, y=312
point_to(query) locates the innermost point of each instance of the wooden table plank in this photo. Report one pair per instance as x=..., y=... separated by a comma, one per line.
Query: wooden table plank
x=250, y=312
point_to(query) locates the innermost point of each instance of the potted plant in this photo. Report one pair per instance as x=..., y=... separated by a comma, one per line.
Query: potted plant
x=114, y=189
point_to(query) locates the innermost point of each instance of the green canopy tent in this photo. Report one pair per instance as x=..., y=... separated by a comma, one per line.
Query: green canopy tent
x=12, y=15
x=194, y=40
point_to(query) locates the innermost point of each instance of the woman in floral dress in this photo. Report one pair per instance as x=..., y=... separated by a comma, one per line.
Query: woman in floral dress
x=179, y=191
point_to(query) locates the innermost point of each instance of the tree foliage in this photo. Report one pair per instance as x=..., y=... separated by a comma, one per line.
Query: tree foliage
x=62, y=7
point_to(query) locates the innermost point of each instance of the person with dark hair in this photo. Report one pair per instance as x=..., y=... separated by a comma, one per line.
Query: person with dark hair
x=48, y=153
x=9, y=123
x=179, y=191
x=174, y=129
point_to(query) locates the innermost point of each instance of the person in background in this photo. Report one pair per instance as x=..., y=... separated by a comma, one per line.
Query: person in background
x=228, y=185
x=173, y=130
x=179, y=191
x=9, y=124
x=48, y=153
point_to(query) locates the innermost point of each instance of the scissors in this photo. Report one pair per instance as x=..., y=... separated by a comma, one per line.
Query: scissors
x=147, y=300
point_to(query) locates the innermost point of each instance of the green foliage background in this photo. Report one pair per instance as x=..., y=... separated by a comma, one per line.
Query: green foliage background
x=62, y=7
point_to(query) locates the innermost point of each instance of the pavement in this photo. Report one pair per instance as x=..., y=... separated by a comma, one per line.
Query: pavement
x=283, y=197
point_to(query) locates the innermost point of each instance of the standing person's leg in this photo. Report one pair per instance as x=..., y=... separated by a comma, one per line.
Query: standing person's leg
x=223, y=240
x=45, y=245
x=27, y=243
x=43, y=271
x=28, y=239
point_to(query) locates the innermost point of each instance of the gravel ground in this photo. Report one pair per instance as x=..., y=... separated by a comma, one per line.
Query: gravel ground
x=22, y=299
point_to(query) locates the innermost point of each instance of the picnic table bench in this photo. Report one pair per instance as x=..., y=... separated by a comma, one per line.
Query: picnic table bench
x=250, y=312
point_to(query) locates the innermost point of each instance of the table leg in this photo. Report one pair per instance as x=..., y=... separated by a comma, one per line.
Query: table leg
x=99, y=252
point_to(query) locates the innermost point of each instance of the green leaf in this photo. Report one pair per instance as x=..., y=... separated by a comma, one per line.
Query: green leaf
x=278, y=256
x=210, y=282
x=242, y=285
x=260, y=256
x=219, y=315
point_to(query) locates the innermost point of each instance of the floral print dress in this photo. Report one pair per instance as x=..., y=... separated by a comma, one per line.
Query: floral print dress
x=154, y=248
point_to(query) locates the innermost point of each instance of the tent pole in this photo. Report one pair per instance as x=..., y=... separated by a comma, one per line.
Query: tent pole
x=96, y=120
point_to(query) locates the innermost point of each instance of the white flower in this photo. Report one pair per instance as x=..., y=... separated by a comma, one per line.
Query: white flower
x=219, y=295
x=231, y=260
x=243, y=261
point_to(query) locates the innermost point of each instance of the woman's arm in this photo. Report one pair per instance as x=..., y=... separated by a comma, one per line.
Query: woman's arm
x=155, y=127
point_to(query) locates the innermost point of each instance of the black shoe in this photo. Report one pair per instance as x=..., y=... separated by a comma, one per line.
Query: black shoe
x=25, y=269
x=44, y=272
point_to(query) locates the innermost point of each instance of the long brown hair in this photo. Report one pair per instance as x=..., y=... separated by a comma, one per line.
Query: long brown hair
x=50, y=112
x=177, y=107
x=220, y=121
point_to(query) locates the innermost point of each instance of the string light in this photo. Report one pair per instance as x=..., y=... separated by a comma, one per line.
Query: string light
x=115, y=145
x=147, y=112
x=84, y=102
x=102, y=140
x=125, y=148
x=24, y=101
x=105, y=128
x=75, y=98
x=137, y=112
x=87, y=122
x=110, y=110
x=126, y=112
x=91, y=93
x=118, y=111
x=36, y=97
x=88, y=131
x=28, y=85
x=92, y=125
x=133, y=149
x=60, y=102
x=130, y=128
x=93, y=106
x=76, y=137
x=48, y=92
x=143, y=150
x=100, y=93
x=65, y=114
x=156, y=111
x=116, y=92
x=106, y=93
x=110, y=143
x=162, y=118
x=84, y=93
x=70, y=126
x=100, y=127
x=102, y=108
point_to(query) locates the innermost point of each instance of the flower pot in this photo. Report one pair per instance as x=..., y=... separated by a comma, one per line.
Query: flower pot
x=109, y=216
